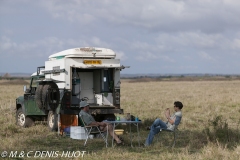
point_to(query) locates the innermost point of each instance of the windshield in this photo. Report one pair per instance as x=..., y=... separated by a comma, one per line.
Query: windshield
x=35, y=80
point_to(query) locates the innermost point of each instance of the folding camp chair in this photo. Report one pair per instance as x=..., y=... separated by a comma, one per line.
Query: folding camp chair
x=92, y=130
x=174, y=132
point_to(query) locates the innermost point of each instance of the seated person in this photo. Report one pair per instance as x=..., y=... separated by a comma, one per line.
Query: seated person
x=89, y=120
x=170, y=124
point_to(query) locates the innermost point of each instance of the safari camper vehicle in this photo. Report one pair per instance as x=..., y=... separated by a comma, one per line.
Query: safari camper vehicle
x=88, y=73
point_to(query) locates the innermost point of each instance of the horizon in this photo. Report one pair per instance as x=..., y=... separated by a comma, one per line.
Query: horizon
x=138, y=74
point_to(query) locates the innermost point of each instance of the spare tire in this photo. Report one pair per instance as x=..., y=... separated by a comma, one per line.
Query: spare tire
x=38, y=96
x=50, y=96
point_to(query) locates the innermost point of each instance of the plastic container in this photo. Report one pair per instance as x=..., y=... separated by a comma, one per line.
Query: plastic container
x=128, y=117
x=136, y=119
x=91, y=136
x=77, y=132
x=117, y=118
x=119, y=131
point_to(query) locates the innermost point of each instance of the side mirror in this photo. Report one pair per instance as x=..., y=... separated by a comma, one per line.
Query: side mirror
x=24, y=88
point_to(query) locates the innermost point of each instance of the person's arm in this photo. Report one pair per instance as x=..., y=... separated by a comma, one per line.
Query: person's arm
x=171, y=121
x=177, y=118
x=89, y=121
x=167, y=113
x=97, y=124
x=93, y=124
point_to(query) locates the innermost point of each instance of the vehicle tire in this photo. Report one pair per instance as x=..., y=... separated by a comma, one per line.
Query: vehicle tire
x=23, y=120
x=52, y=121
x=50, y=96
x=38, y=96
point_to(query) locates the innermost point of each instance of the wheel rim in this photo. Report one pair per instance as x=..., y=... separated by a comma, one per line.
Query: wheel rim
x=51, y=120
x=21, y=119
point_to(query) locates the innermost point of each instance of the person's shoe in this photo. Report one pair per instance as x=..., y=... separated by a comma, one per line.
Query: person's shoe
x=120, y=144
x=145, y=145
x=148, y=128
x=120, y=138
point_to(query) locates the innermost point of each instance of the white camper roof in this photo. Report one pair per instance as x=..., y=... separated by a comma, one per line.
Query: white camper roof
x=90, y=52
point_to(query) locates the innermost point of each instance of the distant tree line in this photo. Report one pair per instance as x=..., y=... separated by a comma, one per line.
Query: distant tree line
x=184, y=77
x=7, y=76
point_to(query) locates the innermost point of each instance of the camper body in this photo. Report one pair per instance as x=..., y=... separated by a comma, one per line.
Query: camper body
x=91, y=74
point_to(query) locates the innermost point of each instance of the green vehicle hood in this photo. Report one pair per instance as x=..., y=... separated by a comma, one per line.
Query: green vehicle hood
x=20, y=99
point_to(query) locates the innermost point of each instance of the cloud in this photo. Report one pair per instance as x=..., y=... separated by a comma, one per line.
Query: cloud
x=206, y=56
x=190, y=34
x=191, y=39
x=48, y=45
x=236, y=44
x=72, y=11
x=6, y=44
x=98, y=42
x=29, y=49
x=207, y=16
x=150, y=57
x=121, y=55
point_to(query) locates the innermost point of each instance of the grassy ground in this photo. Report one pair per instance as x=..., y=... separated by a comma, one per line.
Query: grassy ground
x=209, y=129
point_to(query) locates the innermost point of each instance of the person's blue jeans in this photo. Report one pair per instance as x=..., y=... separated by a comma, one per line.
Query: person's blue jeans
x=155, y=129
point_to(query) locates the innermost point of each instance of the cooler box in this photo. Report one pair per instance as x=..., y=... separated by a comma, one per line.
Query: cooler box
x=77, y=132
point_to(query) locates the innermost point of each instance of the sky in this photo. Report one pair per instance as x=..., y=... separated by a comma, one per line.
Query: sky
x=153, y=36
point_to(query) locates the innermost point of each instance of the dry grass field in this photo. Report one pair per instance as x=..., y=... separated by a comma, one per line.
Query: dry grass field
x=209, y=128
